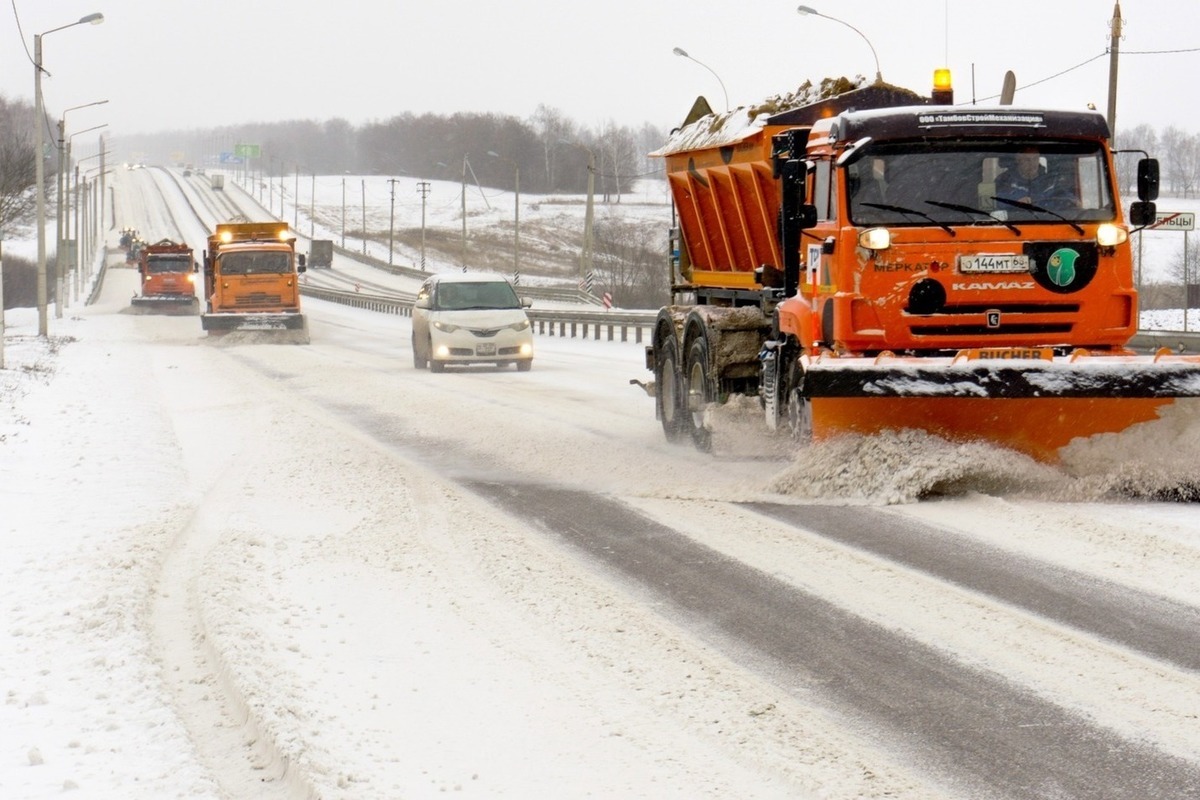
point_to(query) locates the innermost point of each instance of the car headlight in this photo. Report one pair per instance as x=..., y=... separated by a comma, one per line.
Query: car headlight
x=445, y=327
x=520, y=326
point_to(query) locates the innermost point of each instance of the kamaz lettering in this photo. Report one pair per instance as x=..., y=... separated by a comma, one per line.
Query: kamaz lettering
x=992, y=286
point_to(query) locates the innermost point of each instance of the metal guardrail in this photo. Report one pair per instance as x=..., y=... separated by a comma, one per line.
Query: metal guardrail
x=558, y=294
x=566, y=323
x=614, y=324
x=1177, y=341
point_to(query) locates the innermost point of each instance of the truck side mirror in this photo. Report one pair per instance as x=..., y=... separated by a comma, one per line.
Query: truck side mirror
x=300, y=261
x=1142, y=213
x=1147, y=178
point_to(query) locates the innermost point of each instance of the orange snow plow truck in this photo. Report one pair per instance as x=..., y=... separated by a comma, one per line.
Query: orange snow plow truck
x=168, y=278
x=251, y=282
x=874, y=261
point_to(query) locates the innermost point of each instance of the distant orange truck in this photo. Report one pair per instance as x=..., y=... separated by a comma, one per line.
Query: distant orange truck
x=168, y=277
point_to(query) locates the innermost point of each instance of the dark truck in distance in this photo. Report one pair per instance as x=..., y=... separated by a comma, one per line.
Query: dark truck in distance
x=320, y=254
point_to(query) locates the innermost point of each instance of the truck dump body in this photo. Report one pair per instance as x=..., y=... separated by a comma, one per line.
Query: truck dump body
x=252, y=280
x=896, y=278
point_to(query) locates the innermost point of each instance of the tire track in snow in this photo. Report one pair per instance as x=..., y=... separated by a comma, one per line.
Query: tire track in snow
x=228, y=736
x=1159, y=627
x=966, y=724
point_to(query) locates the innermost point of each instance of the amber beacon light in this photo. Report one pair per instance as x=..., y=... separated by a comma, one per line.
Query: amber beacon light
x=943, y=87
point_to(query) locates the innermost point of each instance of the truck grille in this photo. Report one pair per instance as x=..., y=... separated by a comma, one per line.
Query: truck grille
x=259, y=300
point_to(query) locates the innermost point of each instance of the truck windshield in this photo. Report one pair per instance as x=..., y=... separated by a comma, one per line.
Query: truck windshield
x=157, y=264
x=979, y=182
x=254, y=263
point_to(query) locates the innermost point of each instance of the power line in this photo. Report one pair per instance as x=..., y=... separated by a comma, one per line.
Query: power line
x=1051, y=77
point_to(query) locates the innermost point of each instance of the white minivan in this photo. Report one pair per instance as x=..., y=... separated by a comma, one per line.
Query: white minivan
x=470, y=318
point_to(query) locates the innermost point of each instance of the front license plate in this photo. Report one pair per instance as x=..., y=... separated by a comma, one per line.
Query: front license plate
x=1007, y=262
x=485, y=350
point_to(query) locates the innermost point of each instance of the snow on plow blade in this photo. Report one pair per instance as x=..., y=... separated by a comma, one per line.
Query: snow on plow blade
x=292, y=328
x=1026, y=400
x=166, y=304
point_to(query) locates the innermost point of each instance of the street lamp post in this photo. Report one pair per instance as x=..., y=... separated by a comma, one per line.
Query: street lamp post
x=679, y=51
x=39, y=120
x=64, y=222
x=806, y=10
x=62, y=189
x=516, y=215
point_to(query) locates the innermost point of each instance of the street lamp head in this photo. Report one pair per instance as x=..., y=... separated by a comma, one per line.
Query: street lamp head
x=679, y=51
x=95, y=18
x=807, y=10
x=493, y=154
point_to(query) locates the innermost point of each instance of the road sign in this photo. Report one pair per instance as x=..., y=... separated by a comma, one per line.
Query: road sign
x=1174, y=221
x=246, y=150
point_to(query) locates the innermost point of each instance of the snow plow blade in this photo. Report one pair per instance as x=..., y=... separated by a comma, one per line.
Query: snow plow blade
x=1025, y=400
x=166, y=304
x=290, y=328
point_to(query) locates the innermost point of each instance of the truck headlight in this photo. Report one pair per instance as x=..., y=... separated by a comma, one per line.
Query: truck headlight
x=875, y=239
x=1110, y=235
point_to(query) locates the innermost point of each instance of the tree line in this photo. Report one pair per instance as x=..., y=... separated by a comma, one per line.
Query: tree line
x=550, y=152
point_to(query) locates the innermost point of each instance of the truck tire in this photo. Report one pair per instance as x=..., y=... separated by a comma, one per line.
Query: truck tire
x=797, y=408
x=700, y=392
x=669, y=395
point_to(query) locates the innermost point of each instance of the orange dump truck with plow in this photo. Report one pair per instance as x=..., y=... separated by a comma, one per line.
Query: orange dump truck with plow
x=251, y=282
x=168, y=278
x=877, y=261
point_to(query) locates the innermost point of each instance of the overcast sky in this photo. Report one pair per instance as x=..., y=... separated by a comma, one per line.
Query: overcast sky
x=170, y=64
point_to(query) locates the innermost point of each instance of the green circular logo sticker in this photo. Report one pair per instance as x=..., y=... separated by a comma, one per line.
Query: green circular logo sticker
x=1061, y=267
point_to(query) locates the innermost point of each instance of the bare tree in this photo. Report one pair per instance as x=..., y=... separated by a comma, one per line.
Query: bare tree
x=631, y=261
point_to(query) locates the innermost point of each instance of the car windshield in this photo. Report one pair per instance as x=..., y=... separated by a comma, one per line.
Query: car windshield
x=979, y=182
x=479, y=294
x=254, y=263
x=156, y=264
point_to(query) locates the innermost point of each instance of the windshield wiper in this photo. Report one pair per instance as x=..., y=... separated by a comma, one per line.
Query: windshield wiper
x=972, y=210
x=1031, y=207
x=913, y=212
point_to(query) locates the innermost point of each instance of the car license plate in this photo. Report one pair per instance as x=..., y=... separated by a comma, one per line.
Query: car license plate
x=485, y=350
x=1007, y=262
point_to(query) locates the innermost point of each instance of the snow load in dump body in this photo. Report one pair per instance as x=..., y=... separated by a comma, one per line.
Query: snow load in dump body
x=721, y=175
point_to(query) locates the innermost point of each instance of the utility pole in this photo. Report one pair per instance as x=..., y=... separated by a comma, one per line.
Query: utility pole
x=464, y=215
x=343, y=213
x=585, y=255
x=1113, y=53
x=364, y=215
x=392, y=218
x=423, y=188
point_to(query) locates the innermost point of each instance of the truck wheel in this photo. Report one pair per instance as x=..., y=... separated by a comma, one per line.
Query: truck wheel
x=797, y=407
x=700, y=392
x=669, y=394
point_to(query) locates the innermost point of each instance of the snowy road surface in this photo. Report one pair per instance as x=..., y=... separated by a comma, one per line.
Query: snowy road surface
x=248, y=571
